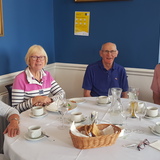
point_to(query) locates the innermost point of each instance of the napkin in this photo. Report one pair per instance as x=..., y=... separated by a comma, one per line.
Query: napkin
x=53, y=106
x=108, y=130
x=94, y=116
x=155, y=144
x=75, y=131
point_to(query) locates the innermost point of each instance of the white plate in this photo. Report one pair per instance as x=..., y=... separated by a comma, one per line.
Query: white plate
x=53, y=107
x=84, y=118
x=152, y=117
x=78, y=100
x=33, y=139
x=33, y=116
x=153, y=131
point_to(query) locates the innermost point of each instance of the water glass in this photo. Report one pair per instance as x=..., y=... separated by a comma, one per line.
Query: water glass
x=109, y=95
x=126, y=113
x=140, y=112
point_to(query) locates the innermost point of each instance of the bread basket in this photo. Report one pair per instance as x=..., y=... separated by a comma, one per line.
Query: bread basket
x=95, y=142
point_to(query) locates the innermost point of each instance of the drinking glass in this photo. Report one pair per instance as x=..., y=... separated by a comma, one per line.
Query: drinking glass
x=140, y=111
x=126, y=113
x=58, y=104
x=109, y=95
x=59, y=100
x=133, y=93
x=63, y=109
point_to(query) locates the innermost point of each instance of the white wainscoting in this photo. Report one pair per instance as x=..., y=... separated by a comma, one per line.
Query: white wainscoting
x=70, y=78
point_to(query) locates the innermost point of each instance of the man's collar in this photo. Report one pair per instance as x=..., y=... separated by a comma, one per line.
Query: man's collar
x=102, y=66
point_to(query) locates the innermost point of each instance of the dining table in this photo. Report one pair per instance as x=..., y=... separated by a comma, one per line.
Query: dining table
x=58, y=144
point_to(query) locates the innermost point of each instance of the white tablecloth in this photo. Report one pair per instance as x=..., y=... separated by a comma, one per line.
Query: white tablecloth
x=18, y=148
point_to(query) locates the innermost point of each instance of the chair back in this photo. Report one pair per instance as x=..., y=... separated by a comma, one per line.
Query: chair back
x=9, y=89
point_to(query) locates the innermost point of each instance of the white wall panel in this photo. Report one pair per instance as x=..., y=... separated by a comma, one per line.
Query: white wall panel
x=70, y=78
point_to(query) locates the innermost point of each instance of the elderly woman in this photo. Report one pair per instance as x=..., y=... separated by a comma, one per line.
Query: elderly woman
x=33, y=86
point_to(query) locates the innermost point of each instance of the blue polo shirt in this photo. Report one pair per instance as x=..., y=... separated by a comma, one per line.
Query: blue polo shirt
x=98, y=80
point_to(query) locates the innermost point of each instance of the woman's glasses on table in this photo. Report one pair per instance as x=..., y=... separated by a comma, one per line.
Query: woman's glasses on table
x=143, y=144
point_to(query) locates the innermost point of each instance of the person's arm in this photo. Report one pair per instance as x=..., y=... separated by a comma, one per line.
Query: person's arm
x=56, y=91
x=13, y=127
x=156, y=98
x=87, y=93
x=155, y=85
x=124, y=95
x=41, y=101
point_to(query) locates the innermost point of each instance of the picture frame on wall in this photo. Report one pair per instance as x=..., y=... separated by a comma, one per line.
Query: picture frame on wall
x=1, y=19
x=97, y=0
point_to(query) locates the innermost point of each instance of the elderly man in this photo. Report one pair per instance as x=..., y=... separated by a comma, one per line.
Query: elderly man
x=105, y=74
x=155, y=86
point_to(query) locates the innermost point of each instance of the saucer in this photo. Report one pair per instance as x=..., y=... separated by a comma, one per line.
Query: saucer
x=34, y=139
x=148, y=117
x=153, y=131
x=103, y=104
x=40, y=116
x=83, y=119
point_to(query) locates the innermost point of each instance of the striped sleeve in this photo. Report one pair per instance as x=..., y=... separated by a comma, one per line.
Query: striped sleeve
x=55, y=88
x=19, y=102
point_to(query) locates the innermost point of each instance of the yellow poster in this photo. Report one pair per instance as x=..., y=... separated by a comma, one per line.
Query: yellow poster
x=81, y=23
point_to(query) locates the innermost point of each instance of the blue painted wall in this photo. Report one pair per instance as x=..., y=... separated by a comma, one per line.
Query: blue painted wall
x=26, y=22
x=132, y=25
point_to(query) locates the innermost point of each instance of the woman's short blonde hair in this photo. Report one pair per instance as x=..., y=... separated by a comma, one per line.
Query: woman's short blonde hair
x=35, y=49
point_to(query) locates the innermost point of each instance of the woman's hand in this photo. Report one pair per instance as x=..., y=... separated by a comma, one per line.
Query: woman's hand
x=41, y=101
x=13, y=126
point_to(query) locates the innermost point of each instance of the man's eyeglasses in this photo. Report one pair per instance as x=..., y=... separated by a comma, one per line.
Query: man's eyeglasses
x=142, y=144
x=107, y=51
x=41, y=58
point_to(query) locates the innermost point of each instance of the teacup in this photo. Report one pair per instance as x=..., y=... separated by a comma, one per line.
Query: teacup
x=157, y=127
x=34, y=131
x=76, y=116
x=102, y=99
x=152, y=111
x=37, y=110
